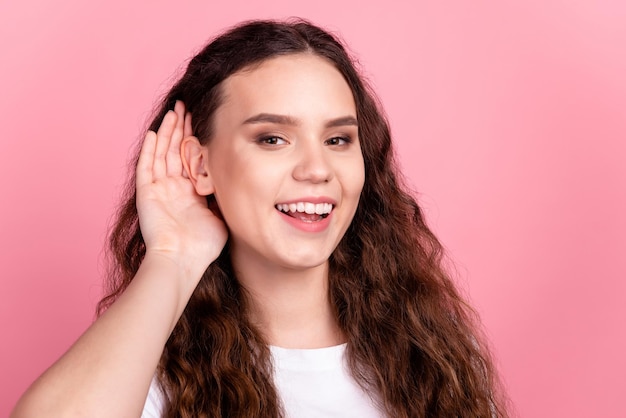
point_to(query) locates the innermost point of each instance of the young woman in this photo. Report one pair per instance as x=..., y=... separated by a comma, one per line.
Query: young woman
x=268, y=261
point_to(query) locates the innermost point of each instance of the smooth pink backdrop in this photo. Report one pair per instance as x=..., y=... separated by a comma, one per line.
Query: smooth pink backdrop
x=509, y=119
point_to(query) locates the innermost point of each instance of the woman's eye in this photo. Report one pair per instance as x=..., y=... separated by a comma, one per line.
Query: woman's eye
x=338, y=140
x=271, y=140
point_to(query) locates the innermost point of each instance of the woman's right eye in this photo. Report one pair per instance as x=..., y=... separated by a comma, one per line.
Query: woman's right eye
x=271, y=140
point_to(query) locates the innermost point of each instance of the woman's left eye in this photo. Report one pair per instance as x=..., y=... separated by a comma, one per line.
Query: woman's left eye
x=338, y=140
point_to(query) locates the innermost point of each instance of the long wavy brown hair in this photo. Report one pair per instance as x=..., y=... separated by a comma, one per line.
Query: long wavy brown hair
x=412, y=342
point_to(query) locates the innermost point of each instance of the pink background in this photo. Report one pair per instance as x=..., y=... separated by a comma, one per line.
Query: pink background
x=510, y=120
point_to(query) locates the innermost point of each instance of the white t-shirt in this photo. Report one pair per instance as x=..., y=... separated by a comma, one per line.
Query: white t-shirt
x=312, y=383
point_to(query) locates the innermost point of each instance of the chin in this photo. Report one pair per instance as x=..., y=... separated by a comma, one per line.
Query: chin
x=304, y=262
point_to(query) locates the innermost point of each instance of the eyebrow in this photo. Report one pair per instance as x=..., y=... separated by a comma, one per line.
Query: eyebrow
x=291, y=121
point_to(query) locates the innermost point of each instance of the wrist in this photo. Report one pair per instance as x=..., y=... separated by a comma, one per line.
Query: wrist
x=179, y=273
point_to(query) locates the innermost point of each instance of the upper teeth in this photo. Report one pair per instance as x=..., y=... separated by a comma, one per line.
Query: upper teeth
x=306, y=207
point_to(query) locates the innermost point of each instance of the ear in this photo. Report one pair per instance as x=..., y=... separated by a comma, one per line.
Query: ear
x=195, y=163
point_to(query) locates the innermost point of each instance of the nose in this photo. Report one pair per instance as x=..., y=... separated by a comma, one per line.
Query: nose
x=312, y=164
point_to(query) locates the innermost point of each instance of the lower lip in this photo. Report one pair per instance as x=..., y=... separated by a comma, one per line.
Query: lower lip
x=317, y=226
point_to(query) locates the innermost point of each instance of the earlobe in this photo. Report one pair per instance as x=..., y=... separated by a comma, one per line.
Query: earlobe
x=195, y=163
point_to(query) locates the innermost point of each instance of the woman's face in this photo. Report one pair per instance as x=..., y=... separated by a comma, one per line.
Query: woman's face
x=286, y=162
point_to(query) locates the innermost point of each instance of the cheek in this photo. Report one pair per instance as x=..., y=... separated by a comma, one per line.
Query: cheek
x=244, y=189
x=226, y=188
x=357, y=177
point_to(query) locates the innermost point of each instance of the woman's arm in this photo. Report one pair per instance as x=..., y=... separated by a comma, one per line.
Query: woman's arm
x=107, y=372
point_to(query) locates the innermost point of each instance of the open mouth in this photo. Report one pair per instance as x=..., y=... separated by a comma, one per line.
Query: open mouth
x=306, y=211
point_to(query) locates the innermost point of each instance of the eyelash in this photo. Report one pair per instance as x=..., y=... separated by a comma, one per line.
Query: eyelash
x=346, y=139
x=265, y=140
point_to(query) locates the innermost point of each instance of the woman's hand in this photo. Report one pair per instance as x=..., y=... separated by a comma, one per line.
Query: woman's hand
x=174, y=219
x=107, y=372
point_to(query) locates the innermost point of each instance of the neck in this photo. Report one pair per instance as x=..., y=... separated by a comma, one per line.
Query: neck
x=291, y=307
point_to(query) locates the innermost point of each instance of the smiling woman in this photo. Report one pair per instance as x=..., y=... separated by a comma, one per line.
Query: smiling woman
x=267, y=262
x=302, y=104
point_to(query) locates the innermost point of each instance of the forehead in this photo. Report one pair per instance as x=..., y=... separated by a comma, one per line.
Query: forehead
x=304, y=86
